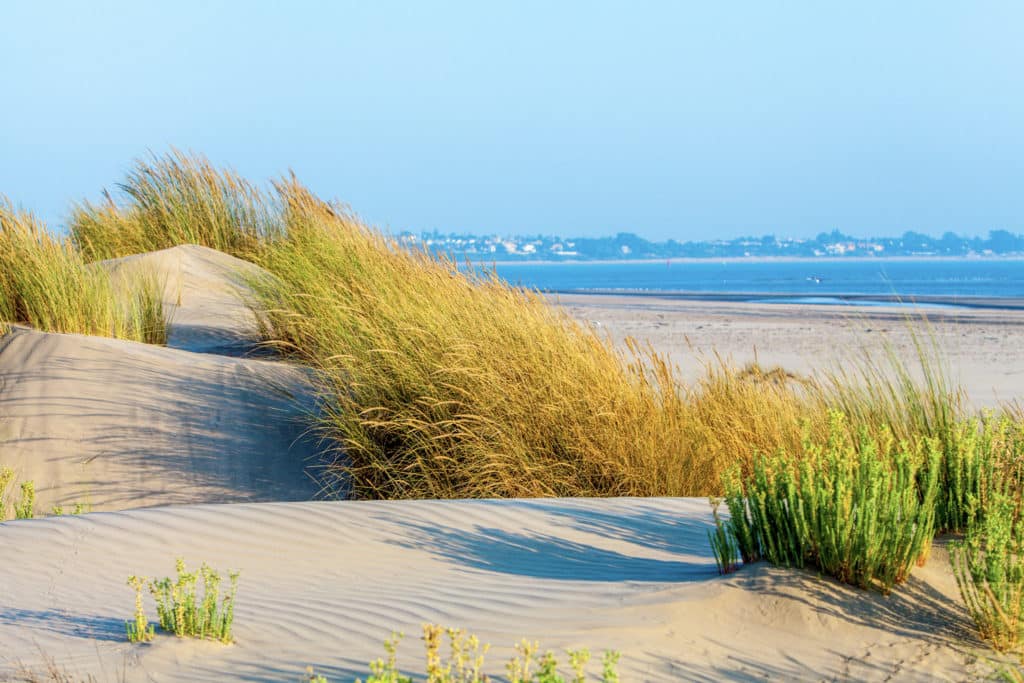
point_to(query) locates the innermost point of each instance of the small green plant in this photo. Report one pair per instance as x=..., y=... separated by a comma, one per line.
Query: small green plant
x=139, y=630
x=313, y=677
x=6, y=478
x=386, y=671
x=989, y=569
x=181, y=609
x=466, y=661
x=77, y=509
x=723, y=542
x=26, y=507
x=862, y=511
x=610, y=666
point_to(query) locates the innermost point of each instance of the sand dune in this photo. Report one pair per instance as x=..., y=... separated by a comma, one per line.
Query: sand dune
x=117, y=424
x=205, y=292
x=121, y=425
x=323, y=583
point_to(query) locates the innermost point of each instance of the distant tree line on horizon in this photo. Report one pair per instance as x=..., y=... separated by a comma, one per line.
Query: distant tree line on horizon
x=626, y=245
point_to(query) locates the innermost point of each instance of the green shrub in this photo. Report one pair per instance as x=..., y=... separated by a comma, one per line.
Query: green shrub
x=181, y=609
x=989, y=569
x=981, y=458
x=6, y=479
x=26, y=507
x=465, y=664
x=77, y=509
x=860, y=511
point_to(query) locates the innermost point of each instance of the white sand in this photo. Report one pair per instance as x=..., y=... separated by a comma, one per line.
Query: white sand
x=323, y=583
x=983, y=349
x=124, y=425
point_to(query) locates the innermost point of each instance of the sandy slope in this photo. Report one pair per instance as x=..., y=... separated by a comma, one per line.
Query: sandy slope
x=323, y=583
x=205, y=292
x=117, y=424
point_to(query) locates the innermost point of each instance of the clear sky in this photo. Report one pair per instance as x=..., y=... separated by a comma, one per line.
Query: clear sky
x=684, y=120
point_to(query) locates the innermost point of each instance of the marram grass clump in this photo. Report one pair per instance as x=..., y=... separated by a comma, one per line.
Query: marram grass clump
x=465, y=664
x=861, y=510
x=441, y=382
x=173, y=199
x=46, y=284
x=181, y=609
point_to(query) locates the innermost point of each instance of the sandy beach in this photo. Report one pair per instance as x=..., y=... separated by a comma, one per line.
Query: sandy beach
x=982, y=349
x=197, y=451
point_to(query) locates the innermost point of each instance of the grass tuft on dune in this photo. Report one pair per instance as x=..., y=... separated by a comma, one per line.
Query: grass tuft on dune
x=45, y=283
x=177, y=198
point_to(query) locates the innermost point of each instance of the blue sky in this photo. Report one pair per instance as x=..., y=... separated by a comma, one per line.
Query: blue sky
x=682, y=120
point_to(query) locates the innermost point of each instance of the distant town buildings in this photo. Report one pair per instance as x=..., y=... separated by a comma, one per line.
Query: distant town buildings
x=629, y=246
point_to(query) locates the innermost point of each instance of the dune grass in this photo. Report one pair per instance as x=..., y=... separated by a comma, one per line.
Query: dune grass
x=440, y=383
x=46, y=284
x=443, y=383
x=172, y=199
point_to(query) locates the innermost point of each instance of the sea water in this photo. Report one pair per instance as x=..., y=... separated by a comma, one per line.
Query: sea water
x=860, y=281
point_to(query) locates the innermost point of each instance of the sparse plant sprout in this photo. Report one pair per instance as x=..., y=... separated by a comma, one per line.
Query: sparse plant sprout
x=723, y=542
x=6, y=479
x=77, y=509
x=139, y=630
x=466, y=663
x=578, y=661
x=183, y=611
x=313, y=677
x=386, y=671
x=26, y=507
x=610, y=666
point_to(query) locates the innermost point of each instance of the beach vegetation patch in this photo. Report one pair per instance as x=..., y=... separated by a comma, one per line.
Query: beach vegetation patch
x=989, y=569
x=182, y=609
x=45, y=283
x=465, y=664
x=6, y=479
x=173, y=199
x=859, y=509
x=25, y=508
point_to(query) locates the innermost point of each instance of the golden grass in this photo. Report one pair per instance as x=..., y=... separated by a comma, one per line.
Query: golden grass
x=439, y=382
x=46, y=284
x=174, y=199
x=447, y=384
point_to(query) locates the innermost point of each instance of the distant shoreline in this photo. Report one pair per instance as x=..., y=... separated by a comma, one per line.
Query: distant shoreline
x=819, y=299
x=739, y=259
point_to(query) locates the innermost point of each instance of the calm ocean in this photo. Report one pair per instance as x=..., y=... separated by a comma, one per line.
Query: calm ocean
x=809, y=281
